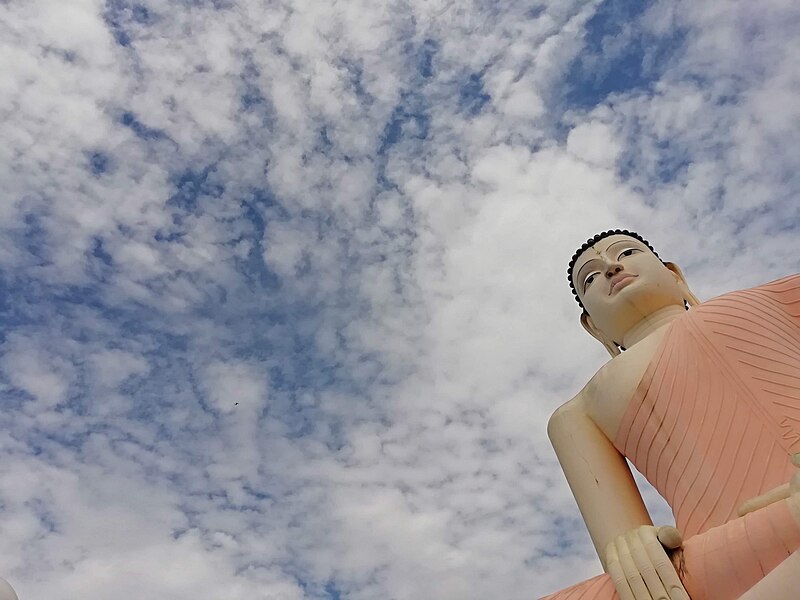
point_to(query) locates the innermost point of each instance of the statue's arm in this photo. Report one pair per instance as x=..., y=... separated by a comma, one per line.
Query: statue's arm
x=598, y=476
x=630, y=548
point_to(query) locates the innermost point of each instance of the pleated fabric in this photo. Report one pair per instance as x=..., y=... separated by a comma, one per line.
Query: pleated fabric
x=716, y=417
x=713, y=423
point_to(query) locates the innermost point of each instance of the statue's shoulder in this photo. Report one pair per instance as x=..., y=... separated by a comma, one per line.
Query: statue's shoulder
x=779, y=297
x=595, y=390
x=785, y=286
x=789, y=285
x=617, y=375
x=606, y=396
x=602, y=401
x=567, y=412
x=788, y=282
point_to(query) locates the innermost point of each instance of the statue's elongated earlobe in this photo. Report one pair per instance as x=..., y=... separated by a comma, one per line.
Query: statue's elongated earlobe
x=591, y=329
x=688, y=295
x=690, y=298
x=612, y=349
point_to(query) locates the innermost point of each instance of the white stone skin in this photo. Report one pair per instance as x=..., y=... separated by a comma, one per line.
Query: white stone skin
x=6, y=591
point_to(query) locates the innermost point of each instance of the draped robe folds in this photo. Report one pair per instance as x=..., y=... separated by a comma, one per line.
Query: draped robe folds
x=714, y=422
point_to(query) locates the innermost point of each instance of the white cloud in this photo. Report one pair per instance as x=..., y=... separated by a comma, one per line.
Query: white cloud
x=34, y=370
x=232, y=384
x=353, y=220
x=595, y=143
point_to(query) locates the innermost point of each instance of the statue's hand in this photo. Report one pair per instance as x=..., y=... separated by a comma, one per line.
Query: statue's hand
x=639, y=566
x=788, y=490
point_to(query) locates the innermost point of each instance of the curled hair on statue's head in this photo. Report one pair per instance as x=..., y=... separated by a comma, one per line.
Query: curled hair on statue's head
x=591, y=242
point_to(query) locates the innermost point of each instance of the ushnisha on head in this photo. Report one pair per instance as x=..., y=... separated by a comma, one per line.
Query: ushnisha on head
x=619, y=280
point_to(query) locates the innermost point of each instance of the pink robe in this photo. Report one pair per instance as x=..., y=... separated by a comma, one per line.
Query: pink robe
x=713, y=423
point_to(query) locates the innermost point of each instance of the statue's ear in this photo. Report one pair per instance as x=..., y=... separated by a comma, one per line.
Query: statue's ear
x=593, y=331
x=690, y=298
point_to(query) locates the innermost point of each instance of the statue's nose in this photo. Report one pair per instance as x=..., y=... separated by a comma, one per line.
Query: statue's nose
x=613, y=270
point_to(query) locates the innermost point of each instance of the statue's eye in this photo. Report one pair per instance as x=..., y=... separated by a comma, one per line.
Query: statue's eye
x=589, y=279
x=628, y=252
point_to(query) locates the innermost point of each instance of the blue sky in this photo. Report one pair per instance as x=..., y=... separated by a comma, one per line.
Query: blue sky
x=283, y=301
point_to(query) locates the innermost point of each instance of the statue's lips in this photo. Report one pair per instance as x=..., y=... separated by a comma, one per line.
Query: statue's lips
x=621, y=283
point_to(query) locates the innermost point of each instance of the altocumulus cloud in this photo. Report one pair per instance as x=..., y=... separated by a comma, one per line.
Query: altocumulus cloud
x=283, y=303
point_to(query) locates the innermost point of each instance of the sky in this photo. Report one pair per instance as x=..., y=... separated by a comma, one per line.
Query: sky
x=283, y=302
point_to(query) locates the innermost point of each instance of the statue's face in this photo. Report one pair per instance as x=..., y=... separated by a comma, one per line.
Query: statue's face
x=620, y=282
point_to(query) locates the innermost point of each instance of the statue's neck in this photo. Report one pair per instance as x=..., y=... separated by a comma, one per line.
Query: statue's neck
x=651, y=323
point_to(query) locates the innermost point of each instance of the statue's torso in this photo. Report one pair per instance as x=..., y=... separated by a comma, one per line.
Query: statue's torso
x=708, y=407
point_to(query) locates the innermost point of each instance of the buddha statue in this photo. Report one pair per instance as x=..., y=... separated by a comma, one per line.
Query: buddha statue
x=704, y=399
x=6, y=591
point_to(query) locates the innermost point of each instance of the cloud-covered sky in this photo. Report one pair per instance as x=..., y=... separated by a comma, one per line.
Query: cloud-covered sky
x=282, y=288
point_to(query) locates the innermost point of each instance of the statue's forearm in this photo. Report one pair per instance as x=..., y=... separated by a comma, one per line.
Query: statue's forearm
x=728, y=560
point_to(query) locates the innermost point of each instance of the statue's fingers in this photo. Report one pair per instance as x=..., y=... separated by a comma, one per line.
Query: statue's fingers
x=774, y=495
x=644, y=563
x=664, y=567
x=614, y=568
x=632, y=574
x=669, y=537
